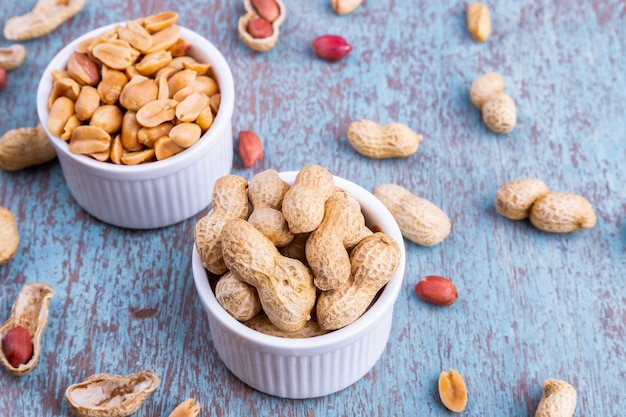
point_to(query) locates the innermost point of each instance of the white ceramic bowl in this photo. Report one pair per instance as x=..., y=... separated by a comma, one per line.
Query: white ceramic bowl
x=155, y=194
x=315, y=366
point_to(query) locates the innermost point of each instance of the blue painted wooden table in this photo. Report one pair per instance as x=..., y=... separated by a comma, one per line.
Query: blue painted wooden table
x=531, y=305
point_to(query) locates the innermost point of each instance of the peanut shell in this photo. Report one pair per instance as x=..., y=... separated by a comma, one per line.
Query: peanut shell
x=25, y=147
x=394, y=140
x=558, y=400
x=46, y=16
x=562, y=213
x=514, y=199
x=30, y=310
x=260, y=44
x=106, y=395
x=9, y=235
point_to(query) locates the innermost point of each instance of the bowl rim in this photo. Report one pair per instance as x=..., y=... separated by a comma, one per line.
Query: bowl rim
x=223, y=77
x=334, y=339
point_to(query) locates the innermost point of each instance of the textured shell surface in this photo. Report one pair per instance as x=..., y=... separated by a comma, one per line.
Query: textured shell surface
x=111, y=395
x=24, y=147
x=9, y=235
x=30, y=310
x=500, y=113
x=394, y=140
x=484, y=87
x=267, y=189
x=261, y=323
x=374, y=260
x=559, y=399
x=237, y=297
x=285, y=285
x=514, y=199
x=420, y=221
x=560, y=212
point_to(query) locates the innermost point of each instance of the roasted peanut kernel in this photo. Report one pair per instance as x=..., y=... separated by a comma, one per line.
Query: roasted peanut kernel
x=183, y=93
x=67, y=87
x=60, y=112
x=101, y=156
x=88, y=140
x=87, y=102
x=189, y=109
x=156, y=112
x=180, y=48
x=178, y=63
x=198, y=67
x=139, y=157
x=108, y=118
x=205, y=118
x=136, y=35
x=478, y=21
x=164, y=38
x=117, y=150
x=83, y=70
x=137, y=94
x=165, y=147
x=452, y=391
x=185, y=134
x=117, y=54
x=180, y=80
x=215, y=102
x=111, y=86
x=72, y=123
x=160, y=21
x=205, y=85
x=153, y=62
x=148, y=135
x=130, y=132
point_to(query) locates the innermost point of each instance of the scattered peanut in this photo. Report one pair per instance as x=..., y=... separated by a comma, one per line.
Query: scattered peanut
x=12, y=57
x=259, y=28
x=21, y=348
x=373, y=261
x=562, y=213
x=498, y=109
x=514, y=199
x=241, y=300
x=129, y=79
x=188, y=408
x=436, y=290
x=285, y=285
x=419, y=220
x=342, y=7
x=249, y=147
x=46, y=16
x=452, y=391
x=554, y=212
x=111, y=395
x=478, y=21
x=331, y=47
x=9, y=236
x=24, y=147
x=303, y=205
x=500, y=113
x=229, y=201
x=559, y=399
x=394, y=140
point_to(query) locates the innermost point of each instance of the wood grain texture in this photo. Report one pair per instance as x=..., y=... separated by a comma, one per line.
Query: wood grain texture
x=531, y=305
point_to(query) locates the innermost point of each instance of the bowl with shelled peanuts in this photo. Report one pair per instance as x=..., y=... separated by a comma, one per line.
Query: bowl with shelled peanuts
x=139, y=113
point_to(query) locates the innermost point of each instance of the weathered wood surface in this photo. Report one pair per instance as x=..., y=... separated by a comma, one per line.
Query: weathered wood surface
x=531, y=305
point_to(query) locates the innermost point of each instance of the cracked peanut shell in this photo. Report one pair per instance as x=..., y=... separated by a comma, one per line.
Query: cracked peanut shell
x=107, y=395
x=30, y=310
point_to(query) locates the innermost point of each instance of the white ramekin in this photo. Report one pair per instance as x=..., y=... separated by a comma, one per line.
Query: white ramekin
x=155, y=194
x=315, y=366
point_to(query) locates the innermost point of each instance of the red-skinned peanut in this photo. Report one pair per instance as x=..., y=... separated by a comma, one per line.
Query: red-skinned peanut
x=331, y=47
x=436, y=290
x=17, y=346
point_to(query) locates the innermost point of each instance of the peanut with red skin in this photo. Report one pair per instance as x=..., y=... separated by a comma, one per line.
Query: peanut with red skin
x=331, y=47
x=267, y=9
x=250, y=148
x=436, y=290
x=259, y=28
x=17, y=346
